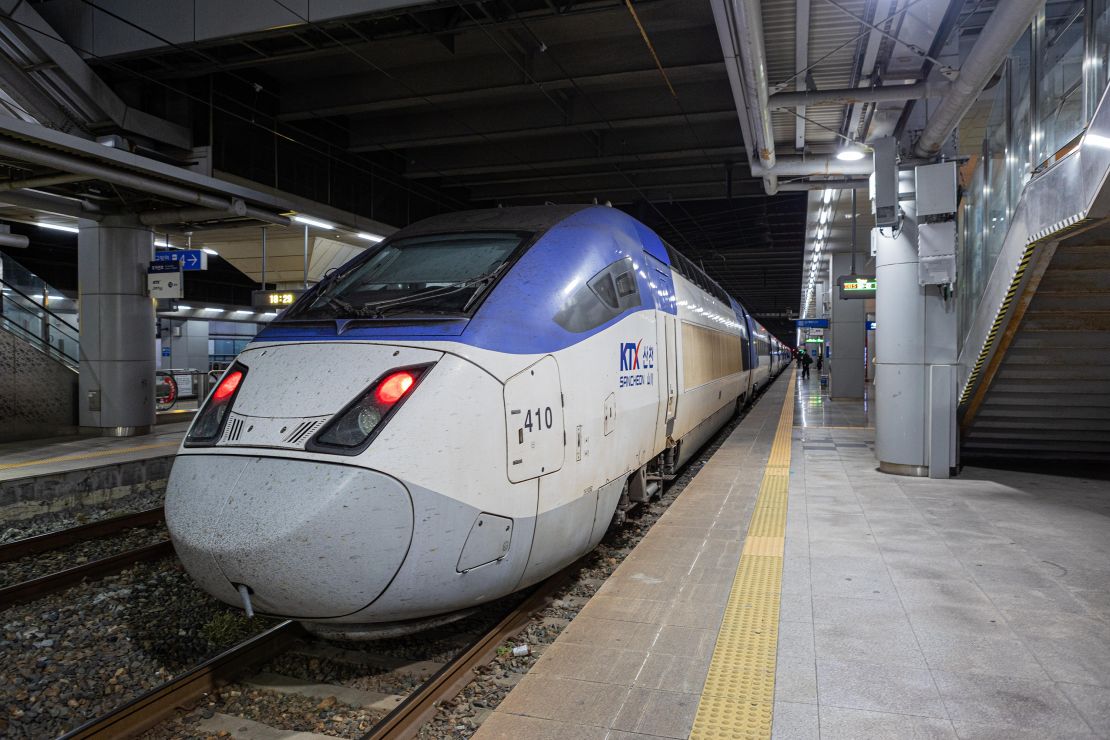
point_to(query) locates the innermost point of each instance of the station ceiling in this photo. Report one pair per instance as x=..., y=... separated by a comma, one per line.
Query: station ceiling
x=403, y=113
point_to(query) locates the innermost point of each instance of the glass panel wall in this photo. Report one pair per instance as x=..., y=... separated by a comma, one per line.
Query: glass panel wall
x=1046, y=92
x=1062, y=41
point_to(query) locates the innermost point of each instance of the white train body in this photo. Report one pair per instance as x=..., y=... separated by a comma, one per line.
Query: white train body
x=506, y=456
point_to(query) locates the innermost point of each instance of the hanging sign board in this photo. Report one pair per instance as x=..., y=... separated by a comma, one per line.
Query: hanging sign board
x=812, y=323
x=814, y=340
x=274, y=298
x=190, y=259
x=856, y=286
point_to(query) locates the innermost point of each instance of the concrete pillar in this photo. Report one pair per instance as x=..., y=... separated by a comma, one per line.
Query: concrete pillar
x=915, y=353
x=117, y=327
x=189, y=345
x=845, y=335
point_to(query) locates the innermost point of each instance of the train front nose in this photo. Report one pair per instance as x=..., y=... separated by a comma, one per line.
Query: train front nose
x=310, y=539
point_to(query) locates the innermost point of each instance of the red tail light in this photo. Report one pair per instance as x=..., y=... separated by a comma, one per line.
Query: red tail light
x=393, y=388
x=228, y=385
x=352, y=429
x=209, y=423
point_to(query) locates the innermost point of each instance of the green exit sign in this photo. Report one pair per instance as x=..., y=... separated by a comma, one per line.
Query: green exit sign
x=814, y=340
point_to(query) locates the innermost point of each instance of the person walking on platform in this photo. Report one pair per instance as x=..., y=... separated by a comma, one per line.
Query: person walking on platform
x=806, y=362
x=820, y=362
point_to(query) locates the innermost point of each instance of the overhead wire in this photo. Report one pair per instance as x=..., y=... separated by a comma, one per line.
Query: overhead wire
x=584, y=96
x=377, y=68
x=574, y=83
x=262, y=89
x=429, y=195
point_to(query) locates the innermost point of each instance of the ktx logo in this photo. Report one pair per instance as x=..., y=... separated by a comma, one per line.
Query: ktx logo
x=632, y=358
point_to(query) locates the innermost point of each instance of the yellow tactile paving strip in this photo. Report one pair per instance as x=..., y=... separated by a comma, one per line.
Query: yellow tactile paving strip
x=738, y=698
x=88, y=455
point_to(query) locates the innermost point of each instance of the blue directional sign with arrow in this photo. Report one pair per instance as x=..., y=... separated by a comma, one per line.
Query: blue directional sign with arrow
x=190, y=259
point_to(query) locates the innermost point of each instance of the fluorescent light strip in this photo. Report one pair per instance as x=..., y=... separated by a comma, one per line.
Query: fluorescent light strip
x=375, y=238
x=209, y=250
x=309, y=221
x=57, y=227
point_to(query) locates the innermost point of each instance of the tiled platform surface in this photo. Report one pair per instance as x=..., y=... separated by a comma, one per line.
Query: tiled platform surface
x=975, y=608
x=42, y=457
x=633, y=662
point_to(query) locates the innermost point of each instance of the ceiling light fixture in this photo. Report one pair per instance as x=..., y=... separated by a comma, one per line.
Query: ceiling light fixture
x=209, y=250
x=309, y=221
x=58, y=227
x=850, y=154
x=369, y=237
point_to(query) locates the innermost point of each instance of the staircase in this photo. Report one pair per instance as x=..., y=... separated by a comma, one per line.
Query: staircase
x=39, y=353
x=1048, y=396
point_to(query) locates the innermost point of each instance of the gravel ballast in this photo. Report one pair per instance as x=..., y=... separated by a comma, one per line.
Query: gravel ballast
x=152, y=495
x=76, y=654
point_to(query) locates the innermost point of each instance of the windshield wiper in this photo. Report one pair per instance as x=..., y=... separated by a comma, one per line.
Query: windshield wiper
x=339, y=303
x=378, y=309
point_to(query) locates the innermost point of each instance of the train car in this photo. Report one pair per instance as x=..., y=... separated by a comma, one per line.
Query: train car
x=454, y=415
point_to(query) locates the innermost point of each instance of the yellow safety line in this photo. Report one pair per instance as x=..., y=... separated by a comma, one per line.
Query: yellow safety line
x=87, y=455
x=738, y=698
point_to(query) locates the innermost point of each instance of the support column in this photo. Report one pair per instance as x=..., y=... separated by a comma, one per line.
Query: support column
x=846, y=330
x=916, y=337
x=117, y=327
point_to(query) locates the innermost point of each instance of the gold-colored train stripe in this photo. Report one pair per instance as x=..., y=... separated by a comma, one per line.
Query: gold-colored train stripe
x=738, y=698
x=87, y=455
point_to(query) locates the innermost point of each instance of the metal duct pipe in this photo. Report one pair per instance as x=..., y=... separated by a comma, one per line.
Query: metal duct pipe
x=186, y=215
x=850, y=95
x=855, y=184
x=77, y=165
x=50, y=204
x=41, y=181
x=816, y=166
x=14, y=240
x=740, y=27
x=1006, y=24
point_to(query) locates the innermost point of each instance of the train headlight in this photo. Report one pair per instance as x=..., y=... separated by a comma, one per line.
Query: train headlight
x=209, y=424
x=351, y=430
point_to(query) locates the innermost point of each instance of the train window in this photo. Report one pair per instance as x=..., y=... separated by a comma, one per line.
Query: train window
x=603, y=288
x=445, y=273
x=626, y=284
x=606, y=295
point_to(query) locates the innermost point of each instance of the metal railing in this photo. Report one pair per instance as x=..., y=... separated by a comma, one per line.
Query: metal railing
x=24, y=312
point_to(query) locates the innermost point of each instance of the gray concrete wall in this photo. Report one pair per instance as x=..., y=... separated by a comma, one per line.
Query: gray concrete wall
x=38, y=394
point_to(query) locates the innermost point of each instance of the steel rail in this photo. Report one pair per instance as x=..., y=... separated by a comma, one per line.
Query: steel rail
x=94, y=530
x=36, y=587
x=147, y=710
x=406, y=719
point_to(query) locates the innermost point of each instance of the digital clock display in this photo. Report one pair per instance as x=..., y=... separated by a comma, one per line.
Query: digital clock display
x=275, y=298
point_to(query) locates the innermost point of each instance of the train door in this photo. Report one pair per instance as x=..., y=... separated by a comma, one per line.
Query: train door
x=534, y=421
x=670, y=343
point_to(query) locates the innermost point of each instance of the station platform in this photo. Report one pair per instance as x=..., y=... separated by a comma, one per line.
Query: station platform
x=39, y=475
x=793, y=591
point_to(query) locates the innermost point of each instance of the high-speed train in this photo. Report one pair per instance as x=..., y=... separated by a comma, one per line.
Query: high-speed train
x=456, y=414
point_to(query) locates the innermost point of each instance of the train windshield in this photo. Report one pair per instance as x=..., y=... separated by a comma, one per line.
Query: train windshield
x=443, y=274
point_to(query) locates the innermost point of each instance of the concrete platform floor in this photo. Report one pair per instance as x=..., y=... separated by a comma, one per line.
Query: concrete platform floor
x=63, y=454
x=977, y=607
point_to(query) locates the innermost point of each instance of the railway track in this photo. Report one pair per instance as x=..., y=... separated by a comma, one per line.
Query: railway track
x=34, y=588
x=403, y=721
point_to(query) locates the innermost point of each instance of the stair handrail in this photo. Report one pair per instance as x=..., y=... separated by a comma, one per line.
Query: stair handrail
x=41, y=305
